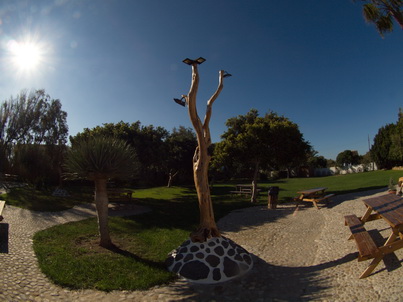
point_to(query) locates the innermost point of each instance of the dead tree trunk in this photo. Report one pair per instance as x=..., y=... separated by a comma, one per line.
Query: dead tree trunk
x=201, y=159
x=254, y=183
x=171, y=178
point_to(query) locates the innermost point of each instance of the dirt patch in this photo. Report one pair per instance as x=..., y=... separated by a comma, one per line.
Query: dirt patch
x=90, y=245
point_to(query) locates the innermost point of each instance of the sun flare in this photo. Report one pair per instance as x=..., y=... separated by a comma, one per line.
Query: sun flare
x=25, y=56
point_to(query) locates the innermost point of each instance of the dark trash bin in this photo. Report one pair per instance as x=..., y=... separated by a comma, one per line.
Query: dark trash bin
x=272, y=197
x=4, y=238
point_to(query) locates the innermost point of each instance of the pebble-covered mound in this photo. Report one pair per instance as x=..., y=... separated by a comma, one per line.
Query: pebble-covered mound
x=217, y=260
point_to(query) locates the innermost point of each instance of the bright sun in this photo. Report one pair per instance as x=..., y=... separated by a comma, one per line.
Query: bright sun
x=25, y=56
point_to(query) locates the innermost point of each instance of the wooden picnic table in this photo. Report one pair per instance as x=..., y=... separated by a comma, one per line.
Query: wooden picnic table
x=117, y=194
x=314, y=195
x=2, y=204
x=3, y=230
x=244, y=189
x=388, y=207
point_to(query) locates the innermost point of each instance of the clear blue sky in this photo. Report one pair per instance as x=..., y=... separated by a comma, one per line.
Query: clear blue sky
x=316, y=62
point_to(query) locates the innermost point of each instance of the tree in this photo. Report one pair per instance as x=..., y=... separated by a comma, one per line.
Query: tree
x=99, y=158
x=396, y=137
x=34, y=164
x=380, y=149
x=147, y=141
x=382, y=13
x=201, y=159
x=247, y=143
x=367, y=161
x=181, y=144
x=252, y=142
x=32, y=118
x=387, y=150
x=289, y=146
x=315, y=161
x=347, y=158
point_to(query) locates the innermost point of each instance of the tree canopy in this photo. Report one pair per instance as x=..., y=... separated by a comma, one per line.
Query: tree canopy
x=158, y=150
x=387, y=149
x=32, y=119
x=252, y=142
x=270, y=141
x=347, y=158
x=181, y=145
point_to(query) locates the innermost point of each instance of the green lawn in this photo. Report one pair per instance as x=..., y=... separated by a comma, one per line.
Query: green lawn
x=69, y=255
x=339, y=184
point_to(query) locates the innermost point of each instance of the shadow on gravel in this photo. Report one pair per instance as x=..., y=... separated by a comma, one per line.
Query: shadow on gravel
x=265, y=282
x=254, y=217
x=391, y=261
x=338, y=199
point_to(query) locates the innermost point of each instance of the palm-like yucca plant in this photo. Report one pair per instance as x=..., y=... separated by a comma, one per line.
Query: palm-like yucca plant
x=98, y=159
x=382, y=13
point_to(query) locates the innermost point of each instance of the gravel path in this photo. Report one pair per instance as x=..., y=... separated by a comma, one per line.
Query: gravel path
x=299, y=255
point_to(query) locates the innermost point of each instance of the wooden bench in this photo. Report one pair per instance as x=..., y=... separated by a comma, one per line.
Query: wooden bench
x=315, y=200
x=119, y=194
x=2, y=204
x=245, y=192
x=367, y=248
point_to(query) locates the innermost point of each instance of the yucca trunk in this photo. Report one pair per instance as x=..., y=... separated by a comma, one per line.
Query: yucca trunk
x=101, y=203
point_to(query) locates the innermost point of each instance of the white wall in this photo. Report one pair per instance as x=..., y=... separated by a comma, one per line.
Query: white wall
x=348, y=170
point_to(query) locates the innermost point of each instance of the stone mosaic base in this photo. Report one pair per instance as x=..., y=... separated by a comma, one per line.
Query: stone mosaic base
x=217, y=260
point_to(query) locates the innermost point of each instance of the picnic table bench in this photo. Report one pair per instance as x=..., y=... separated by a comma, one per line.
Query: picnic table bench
x=8, y=181
x=367, y=248
x=243, y=189
x=388, y=207
x=314, y=195
x=115, y=194
x=3, y=230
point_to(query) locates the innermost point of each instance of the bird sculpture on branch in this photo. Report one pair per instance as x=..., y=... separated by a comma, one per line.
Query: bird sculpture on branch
x=180, y=101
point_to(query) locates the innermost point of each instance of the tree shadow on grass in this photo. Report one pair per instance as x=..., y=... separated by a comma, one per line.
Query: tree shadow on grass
x=153, y=264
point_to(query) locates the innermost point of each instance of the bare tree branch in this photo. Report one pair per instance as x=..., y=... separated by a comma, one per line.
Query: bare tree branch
x=209, y=109
x=191, y=101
